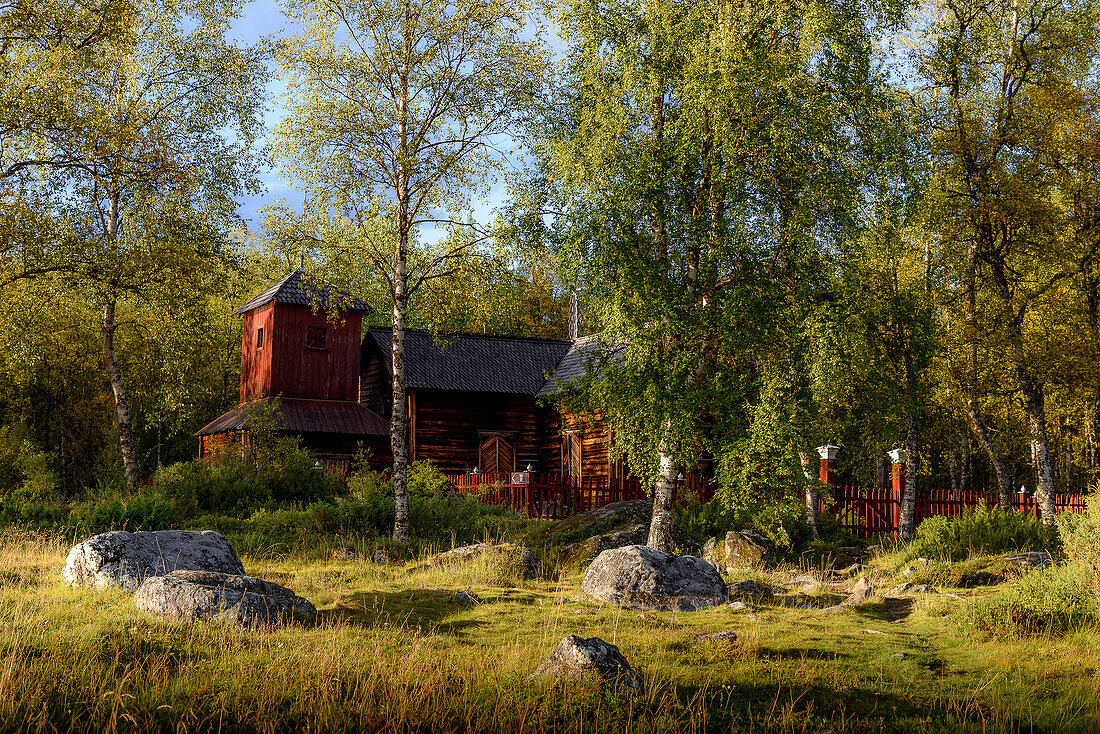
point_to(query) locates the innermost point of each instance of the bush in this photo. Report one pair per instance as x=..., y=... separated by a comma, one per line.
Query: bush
x=978, y=531
x=142, y=512
x=435, y=512
x=237, y=485
x=1081, y=538
x=1048, y=601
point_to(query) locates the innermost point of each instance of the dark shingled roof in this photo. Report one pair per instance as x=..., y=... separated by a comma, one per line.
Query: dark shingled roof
x=574, y=364
x=302, y=289
x=307, y=416
x=474, y=362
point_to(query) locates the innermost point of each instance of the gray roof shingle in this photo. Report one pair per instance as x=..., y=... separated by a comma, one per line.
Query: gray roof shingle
x=302, y=289
x=575, y=363
x=475, y=362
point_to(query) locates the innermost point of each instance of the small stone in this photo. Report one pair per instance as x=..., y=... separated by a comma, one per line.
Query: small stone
x=909, y=571
x=726, y=637
x=380, y=556
x=577, y=658
x=737, y=606
x=466, y=598
x=850, y=570
x=345, y=554
x=900, y=589
x=923, y=589
x=861, y=592
x=900, y=655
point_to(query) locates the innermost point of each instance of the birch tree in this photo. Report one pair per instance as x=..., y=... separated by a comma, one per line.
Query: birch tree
x=704, y=160
x=403, y=106
x=1010, y=89
x=141, y=173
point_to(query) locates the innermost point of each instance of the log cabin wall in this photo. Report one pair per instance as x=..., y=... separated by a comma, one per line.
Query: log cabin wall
x=301, y=368
x=450, y=425
x=375, y=391
x=593, y=435
x=256, y=358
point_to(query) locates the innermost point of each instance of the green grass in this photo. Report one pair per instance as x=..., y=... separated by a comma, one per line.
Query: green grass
x=393, y=650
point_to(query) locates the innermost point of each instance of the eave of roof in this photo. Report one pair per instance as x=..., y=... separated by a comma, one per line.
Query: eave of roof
x=306, y=416
x=301, y=289
x=574, y=365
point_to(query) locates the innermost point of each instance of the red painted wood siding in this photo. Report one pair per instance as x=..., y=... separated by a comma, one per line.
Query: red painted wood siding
x=256, y=363
x=284, y=366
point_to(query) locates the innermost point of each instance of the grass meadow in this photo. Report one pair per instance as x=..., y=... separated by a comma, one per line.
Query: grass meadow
x=393, y=651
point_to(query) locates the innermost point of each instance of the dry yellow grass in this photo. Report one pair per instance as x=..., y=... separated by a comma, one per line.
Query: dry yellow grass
x=394, y=651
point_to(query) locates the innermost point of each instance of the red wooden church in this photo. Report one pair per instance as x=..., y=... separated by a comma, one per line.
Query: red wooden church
x=476, y=402
x=293, y=350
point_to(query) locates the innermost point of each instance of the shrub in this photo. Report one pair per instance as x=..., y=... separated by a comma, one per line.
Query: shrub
x=1081, y=538
x=142, y=512
x=978, y=531
x=238, y=485
x=435, y=512
x=1051, y=601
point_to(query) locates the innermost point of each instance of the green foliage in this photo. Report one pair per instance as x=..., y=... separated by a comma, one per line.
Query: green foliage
x=435, y=511
x=141, y=512
x=1080, y=534
x=978, y=531
x=1048, y=601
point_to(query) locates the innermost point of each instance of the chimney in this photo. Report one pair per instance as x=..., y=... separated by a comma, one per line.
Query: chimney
x=574, y=317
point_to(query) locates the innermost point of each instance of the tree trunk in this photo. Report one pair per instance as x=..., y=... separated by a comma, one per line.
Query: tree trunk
x=974, y=418
x=122, y=400
x=806, y=459
x=399, y=420
x=664, y=493
x=1034, y=401
x=907, y=522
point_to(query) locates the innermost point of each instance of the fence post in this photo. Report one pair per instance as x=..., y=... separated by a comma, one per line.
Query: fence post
x=827, y=470
x=898, y=458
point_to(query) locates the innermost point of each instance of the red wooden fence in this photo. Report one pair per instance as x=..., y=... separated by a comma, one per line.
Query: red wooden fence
x=867, y=511
x=546, y=495
x=862, y=511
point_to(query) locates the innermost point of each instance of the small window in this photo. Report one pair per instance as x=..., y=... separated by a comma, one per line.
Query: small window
x=317, y=337
x=260, y=338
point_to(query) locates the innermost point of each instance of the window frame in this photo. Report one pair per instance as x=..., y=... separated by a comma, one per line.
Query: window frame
x=313, y=330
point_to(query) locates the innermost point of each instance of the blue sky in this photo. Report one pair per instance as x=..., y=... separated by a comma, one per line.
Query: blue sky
x=262, y=18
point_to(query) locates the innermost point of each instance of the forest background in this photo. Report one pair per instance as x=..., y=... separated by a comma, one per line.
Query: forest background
x=866, y=224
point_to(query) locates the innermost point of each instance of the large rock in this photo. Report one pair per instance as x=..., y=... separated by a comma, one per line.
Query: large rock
x=526, y=563
x=125, y=559
x=240, y=601
x=592, y=659
x=742, y=550
x=639, y=577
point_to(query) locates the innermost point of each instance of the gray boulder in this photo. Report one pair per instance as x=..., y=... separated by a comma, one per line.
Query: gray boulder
x=638, y=577
x=240, y=601
x=123, y=559
x=592, y=659
x=741, y=550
